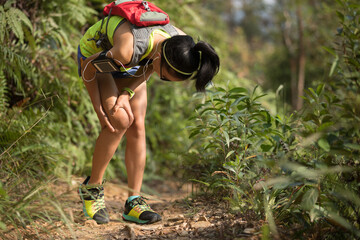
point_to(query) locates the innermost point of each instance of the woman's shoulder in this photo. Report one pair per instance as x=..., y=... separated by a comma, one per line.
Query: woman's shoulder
x=123, y=43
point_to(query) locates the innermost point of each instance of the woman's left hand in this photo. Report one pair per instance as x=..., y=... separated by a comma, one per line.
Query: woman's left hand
x=123, y=101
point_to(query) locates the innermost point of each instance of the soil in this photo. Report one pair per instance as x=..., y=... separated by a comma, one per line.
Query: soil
x=183, y=216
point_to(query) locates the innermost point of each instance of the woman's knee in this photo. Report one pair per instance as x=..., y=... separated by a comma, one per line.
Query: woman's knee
x=137, y=129
x=120, y=120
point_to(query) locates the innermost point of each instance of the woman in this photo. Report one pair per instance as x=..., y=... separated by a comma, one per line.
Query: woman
x=120, y=99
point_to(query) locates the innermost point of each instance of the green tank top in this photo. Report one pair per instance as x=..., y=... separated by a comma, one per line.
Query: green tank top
x=143, y=38
x=89, y=48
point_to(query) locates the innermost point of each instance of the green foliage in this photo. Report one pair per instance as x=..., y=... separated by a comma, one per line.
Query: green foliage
x=45, y=126
x=302, y=169
x=28, y=157
x=232, y=135
x=3, y=92
x=13, y=20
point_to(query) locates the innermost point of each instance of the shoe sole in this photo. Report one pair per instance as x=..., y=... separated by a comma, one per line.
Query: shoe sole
x=138, y=221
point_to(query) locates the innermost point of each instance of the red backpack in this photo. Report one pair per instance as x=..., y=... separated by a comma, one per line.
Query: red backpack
x=138, y=12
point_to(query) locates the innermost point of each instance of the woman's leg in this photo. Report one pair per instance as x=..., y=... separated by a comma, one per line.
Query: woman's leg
x=107, y=142
x=136, y=209
x=135, y=153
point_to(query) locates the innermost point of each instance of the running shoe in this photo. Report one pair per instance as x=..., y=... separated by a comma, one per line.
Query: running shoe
x=93, y=200
x=138, y=211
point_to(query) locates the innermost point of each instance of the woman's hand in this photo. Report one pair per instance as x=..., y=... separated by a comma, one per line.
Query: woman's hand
x=103, y=118
x=123, y=101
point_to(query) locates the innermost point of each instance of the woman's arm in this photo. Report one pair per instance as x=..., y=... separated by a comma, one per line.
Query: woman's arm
x=90, y=81
x=143, y=74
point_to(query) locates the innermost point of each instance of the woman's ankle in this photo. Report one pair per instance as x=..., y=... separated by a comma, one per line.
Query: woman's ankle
x=94, y=181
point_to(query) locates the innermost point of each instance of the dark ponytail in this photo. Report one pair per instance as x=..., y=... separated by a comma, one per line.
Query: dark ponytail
x=208, y=67
x=189, y=60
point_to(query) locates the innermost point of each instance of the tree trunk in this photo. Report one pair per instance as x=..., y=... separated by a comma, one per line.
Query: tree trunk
x=291, y=49
x=301, y=60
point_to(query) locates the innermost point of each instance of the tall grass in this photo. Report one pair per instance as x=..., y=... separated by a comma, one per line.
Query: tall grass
x=27, y=161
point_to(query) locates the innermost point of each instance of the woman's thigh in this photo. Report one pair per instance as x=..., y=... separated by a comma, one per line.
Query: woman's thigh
x=109, y=94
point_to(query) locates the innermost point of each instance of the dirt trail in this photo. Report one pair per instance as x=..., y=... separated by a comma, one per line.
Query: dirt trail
x=182, y=217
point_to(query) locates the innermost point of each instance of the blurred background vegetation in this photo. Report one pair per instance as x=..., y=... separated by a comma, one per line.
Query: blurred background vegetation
x=277, y=135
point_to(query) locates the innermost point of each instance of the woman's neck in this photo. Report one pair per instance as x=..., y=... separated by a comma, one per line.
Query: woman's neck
x=158, y=40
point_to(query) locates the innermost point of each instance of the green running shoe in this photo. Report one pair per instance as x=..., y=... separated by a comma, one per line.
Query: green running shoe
x=93, y=201
x=138, y=211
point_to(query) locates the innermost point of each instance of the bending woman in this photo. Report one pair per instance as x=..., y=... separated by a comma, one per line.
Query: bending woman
x=120, y=99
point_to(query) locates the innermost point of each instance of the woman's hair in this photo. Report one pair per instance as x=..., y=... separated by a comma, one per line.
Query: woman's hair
x=187, y=60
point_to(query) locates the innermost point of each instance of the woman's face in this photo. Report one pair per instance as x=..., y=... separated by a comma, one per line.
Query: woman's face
x=164, y=72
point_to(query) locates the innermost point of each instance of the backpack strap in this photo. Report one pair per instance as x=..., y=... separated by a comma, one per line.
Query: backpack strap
x=101, y=39
x=141, y=40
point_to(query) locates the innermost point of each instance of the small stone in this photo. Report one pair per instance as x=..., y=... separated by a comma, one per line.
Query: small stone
x=184, y=233
x=200, y=224
x=166, y=231
x=195, y=218
x=131, y=232
x=249, y=230
x=203, y=218
x=90, y=223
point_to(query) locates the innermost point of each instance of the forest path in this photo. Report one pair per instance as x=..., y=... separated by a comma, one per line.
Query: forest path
x=182, y=216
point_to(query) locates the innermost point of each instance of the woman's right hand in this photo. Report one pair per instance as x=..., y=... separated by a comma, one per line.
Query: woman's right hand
x=104, y=120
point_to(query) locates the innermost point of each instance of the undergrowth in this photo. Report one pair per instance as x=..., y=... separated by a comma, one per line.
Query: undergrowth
x=299, y=171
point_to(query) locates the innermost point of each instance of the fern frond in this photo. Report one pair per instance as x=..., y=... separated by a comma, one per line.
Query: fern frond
x=22, y=17
x=15, y=18
x=3, y=91
x=14, y=24
x=14, y=64
x=78, y=12
x=2, y=24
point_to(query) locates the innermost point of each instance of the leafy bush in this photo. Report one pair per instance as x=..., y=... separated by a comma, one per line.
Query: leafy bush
x=301, y=171
x=233, y=133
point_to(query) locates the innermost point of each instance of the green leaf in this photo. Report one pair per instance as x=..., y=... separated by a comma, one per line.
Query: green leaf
x=207, y=109
x=8, y=3
x=324, y=144
x=352, y=146
x=329, y=50
x=229, y=154
x=237, y=101
x=265, y=147
x=205, y=183
x=334, y=66
x=316, y=213
x=238, y=90
x=310, y=198
x=325, y=126
x=340, y=2
x=343, y=222
x=340, y=16
x=260, y=96
x=14, y=24
x=21, y=16
x=226, y=135
x=230, y=168
x=320, y=89
x=2, y=24
x=2, y=226
x=194, y=133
